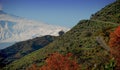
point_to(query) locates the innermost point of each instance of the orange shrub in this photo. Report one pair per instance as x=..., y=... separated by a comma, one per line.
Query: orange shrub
x=57, y=61
x=114, y=43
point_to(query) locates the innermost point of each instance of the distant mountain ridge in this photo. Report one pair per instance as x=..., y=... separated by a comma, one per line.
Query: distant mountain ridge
x=14, y=29
x=23, y=48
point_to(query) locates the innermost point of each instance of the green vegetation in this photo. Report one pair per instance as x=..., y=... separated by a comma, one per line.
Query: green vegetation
x=110, y=13
x=87, y=41
x=111, y=65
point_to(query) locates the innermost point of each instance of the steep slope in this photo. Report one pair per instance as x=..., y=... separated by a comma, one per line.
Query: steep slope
x=82, y=41
x=23, y=48
x=87, y=41
x=14, y=29
x=110, y=13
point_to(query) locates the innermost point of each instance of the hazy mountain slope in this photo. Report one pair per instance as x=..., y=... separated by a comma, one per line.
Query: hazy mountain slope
x=110, y=13
x=23, y=48
x=87, y=41
x=14, y=29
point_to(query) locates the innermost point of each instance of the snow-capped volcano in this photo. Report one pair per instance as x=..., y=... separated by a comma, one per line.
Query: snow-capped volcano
x=15, y=29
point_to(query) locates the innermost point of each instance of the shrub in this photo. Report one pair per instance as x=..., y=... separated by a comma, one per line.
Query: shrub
x=57, y=61
x=114, y=43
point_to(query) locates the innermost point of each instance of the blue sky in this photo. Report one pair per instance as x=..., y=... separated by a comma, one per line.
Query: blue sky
x=58, y=12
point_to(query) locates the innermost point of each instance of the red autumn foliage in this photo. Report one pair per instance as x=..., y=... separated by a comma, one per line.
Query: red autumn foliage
x=114, y=43
x=117, y=31
x=57, y=61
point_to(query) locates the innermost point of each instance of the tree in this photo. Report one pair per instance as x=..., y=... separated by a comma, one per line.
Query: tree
x=61, y=33
x=114, y=43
